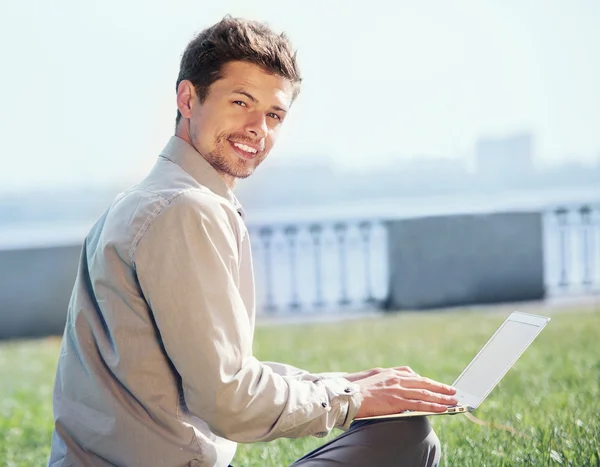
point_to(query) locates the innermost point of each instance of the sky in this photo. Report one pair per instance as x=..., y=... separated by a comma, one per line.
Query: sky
x=87, y=89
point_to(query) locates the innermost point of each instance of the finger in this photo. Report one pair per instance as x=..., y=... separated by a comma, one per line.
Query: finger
x=425, y=395
x=405, y=369
x=371, y=372
x=422, y=406
x=426, y=383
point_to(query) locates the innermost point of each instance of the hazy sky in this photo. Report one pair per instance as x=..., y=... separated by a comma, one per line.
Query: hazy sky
x=87, y=89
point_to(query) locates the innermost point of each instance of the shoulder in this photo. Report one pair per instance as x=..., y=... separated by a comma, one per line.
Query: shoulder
x=194, y=212
x=200, y=203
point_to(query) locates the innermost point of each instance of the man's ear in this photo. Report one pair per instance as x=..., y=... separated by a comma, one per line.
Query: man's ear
x=186, y=94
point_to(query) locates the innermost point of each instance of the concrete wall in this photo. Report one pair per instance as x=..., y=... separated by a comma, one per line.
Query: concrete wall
x=465, y=259
x=35, y=288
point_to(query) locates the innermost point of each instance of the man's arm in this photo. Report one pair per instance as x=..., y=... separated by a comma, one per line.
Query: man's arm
x=284, y=369
x=187, y=266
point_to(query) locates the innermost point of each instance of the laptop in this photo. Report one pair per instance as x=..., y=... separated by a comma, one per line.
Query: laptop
x=489, y=366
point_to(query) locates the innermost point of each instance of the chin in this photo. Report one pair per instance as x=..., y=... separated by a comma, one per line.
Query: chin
x=241, y=174
x=243, y=170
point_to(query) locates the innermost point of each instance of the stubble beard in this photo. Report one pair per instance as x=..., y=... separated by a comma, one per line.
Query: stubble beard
x=233, y=167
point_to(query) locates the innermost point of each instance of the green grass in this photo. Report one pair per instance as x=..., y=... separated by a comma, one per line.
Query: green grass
x=550, y=397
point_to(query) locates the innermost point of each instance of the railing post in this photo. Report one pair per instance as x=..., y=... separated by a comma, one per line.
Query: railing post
x=561, y=214
x=365, y=230
x=586, y=221
x=315, y=232
x=340, y=229
x=266, y=234
x=290, y=232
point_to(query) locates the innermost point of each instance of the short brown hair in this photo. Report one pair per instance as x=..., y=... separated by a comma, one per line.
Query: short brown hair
x=235, y=39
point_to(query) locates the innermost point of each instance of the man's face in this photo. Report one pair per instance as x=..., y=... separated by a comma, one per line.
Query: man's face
x=237, y=124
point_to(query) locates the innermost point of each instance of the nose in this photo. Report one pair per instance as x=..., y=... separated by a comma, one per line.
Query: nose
x=257, y=125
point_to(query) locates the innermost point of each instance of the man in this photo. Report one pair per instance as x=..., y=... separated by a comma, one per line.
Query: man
x=156, y=365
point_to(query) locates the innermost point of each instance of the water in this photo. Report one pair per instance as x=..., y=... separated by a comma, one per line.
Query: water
x=393, y=208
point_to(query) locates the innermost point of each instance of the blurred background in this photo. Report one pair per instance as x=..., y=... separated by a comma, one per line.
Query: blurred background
x=441, y=157
x=439, y=154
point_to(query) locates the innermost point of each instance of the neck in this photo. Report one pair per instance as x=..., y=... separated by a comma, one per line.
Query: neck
x=229, y=180
x=183, y=131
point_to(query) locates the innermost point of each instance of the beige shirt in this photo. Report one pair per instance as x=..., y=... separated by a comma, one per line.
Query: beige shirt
x=156, y=365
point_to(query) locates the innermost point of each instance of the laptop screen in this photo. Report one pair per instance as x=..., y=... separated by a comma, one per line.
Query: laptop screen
x=497, y=357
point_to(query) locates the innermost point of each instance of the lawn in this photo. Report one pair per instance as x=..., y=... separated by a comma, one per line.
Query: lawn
x=550, y=399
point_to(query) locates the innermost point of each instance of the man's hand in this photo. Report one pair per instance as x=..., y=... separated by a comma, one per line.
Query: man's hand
x=393, y=390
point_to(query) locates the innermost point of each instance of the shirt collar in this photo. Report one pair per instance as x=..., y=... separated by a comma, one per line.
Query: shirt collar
x=184, y=155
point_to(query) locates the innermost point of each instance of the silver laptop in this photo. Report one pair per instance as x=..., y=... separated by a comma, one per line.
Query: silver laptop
x=490, y=365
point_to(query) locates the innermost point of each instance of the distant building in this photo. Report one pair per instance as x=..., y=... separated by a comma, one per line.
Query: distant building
x=505, y=158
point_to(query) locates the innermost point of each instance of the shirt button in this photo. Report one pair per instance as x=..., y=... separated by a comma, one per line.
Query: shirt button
x=347, y=390
x=323, y=404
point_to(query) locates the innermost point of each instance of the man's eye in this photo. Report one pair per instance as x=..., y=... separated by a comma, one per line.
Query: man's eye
x=275, y=116
x=240, y=103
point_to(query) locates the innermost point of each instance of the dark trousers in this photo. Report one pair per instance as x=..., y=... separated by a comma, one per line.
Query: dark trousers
x=403, y=442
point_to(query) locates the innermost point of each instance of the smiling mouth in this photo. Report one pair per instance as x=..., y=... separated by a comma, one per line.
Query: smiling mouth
x=247, y=152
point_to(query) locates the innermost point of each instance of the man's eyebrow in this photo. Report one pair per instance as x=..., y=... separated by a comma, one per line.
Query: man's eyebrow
x=247, y=94
x=280, y=109
x=255, y=100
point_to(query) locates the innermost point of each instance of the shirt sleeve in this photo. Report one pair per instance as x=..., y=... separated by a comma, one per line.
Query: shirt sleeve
x=289, y=370
x=187, y=263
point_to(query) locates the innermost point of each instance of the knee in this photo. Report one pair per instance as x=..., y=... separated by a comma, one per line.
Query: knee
x=423, y=448
x=415, y=444
x=408, y=442
x=430, y=450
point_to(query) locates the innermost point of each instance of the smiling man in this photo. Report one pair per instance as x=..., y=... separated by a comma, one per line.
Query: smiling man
x=156, y=366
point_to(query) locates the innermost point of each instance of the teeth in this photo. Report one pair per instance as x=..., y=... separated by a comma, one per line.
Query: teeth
x=243, y=147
